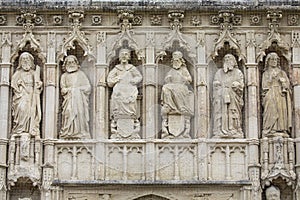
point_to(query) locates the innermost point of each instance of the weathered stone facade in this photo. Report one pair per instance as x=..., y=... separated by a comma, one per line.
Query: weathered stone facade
x=156, y=100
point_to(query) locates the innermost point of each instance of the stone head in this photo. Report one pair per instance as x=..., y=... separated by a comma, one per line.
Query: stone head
x=272, y=193
x=272, y=60
x=124, y=56
x=26, y=61
x=229, y=62
x=177, y=60
x=71, y=64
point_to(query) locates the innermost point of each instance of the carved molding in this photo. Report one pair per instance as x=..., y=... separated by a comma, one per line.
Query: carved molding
x=76, y=35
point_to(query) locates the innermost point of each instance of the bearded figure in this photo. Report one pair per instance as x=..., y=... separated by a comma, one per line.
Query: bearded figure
x=75, y=90
x=27, y=87
x=124, y=78
x=272, y=193
x=276, y=99
x=177, y=100
x=228, y=86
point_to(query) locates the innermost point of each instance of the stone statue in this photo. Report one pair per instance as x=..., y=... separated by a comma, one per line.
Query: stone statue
x=272, y=193
x=228, y=86
x=276, y=99
x=27, y=87
x=177, y=100
x=124, y=78
x=75, y=89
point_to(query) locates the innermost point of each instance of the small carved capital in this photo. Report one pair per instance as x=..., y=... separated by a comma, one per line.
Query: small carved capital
x=28, y=18
x=76, y=17
x=125, y=19
x=274, y=16
x=175, y=18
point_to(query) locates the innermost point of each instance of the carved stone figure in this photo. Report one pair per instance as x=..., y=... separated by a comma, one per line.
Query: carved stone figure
x=124, y=78
x=272, y=193
x=276, y=99
x=75, y=89
x=27, y=87
x=228, y=86
x=177, y=100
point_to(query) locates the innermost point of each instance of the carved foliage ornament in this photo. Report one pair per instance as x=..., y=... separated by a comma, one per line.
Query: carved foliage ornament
x=293, y=20
x=156, y=20
x=97, y=19
x=255, y=20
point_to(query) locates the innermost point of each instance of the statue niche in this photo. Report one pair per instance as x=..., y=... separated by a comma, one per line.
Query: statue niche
x=276, y=99
x=123, y=78
x=25, y=143
x=228, y=87
x=75, y=90
x=177, y=100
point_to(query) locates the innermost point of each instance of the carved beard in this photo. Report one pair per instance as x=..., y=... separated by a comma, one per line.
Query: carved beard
x=227, y=66
x=72, y=68
x=176, y=64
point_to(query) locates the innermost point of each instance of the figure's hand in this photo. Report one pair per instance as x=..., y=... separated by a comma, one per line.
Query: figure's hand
x=65, y=90
x=168, y=79
x=235, y=84
x=20, y=83
x=216, y=84
x=38, y=84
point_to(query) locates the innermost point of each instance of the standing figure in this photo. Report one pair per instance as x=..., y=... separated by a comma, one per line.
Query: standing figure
x=228, y=86
x=124, y=78
x=75, y=89
x=276, y=99
x=272, y=193
x=177, y=100
x=27, y=87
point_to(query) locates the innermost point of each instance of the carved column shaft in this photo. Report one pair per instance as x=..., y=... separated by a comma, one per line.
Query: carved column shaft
x=50, y=89
x=151, y=105
x=252, y=131
x=296, y=93
x=5, y=68
x=102, y=119
x=201, y=104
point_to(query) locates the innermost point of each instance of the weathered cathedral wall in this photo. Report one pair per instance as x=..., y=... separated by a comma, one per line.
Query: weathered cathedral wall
x=168, y=118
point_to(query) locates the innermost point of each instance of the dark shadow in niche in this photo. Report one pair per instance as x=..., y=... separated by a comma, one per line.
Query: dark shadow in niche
x=164, y=66
x=213, y=66
x=285, y=66
x=88, y=67
x=39, y=60
x=23, y=188
x=286, y=192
